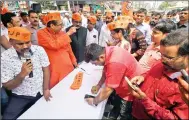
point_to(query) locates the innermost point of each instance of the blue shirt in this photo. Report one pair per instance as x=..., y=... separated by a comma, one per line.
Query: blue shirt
x=98, y=26
x=146, y=30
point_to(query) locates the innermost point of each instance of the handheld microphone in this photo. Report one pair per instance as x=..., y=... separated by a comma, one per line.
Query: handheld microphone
x=27, y=55
x=185, y=75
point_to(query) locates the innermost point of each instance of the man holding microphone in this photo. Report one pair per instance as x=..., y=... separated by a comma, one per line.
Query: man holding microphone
x=26, y=90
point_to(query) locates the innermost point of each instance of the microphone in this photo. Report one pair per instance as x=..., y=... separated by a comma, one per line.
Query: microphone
x=27, y=55
x=185, y=75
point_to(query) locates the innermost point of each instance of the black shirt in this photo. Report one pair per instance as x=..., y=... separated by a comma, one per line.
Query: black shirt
x=182, y=26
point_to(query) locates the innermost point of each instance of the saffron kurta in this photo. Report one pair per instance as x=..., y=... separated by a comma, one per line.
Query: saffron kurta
x=59, y=52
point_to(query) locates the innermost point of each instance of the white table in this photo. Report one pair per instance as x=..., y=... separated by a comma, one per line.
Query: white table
x=67, y=103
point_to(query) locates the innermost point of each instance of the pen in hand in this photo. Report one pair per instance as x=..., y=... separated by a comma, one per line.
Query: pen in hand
x=83, y=69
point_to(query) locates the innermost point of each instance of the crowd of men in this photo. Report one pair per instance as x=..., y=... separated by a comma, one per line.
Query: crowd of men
x=38, y=51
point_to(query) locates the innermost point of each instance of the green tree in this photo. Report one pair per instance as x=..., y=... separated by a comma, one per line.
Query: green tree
x=164, y=5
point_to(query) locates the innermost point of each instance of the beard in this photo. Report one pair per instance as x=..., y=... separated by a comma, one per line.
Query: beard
x=168, y=67
x=108, y=22
x=176, y=67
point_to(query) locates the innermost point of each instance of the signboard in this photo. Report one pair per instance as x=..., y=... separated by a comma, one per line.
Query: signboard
x=12, y=5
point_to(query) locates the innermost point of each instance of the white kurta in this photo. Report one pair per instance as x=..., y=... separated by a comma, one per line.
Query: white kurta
x=84, y=21
x=67, y=22
x=92, y=37
x=105, y=36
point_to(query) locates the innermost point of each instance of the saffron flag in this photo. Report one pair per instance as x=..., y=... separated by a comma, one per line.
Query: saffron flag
x=127, y=8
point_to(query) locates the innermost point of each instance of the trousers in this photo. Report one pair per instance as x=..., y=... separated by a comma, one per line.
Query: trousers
x=18, y=104
x=122, y=109
x=4, y=99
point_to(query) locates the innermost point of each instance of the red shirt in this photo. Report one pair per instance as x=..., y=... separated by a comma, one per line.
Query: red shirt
x=163, y=96
x=120, y=63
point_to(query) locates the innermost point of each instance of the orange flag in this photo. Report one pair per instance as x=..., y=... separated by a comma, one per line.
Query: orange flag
x=127, y=8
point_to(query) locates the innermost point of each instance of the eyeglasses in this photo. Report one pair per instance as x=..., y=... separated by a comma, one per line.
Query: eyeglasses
x=170, y=59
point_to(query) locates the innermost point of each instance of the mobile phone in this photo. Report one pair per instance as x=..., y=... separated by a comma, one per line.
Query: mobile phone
x=130, y=84
x=185, y=75
x=28, y=60
x=90, y=96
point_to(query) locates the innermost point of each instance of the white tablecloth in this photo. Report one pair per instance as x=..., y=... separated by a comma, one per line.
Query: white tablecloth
x=67, y=103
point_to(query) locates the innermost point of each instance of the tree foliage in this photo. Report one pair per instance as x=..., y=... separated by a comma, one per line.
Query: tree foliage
x=164, y=5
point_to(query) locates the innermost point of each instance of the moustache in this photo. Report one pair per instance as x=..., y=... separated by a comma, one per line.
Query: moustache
x=181, y=16
x=77, y=26
x=25, y=49
x=108, y=22
x=35, y=21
